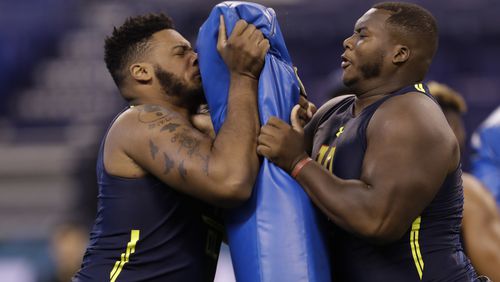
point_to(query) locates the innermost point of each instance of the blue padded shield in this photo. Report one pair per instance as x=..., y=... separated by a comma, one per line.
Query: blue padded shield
x=276, y=235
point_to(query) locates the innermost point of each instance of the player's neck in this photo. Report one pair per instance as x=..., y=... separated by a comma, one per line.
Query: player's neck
x=381, y=86
x=371, y=91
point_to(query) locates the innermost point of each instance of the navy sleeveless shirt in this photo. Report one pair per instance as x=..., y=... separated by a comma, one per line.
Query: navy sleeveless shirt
x=430, y=250
x=147, y=231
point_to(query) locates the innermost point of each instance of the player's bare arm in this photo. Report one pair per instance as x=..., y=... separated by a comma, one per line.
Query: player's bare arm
x=398, y=180
x=164, y=143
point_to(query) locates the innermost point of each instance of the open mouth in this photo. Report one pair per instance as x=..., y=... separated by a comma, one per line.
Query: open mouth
x=345, y=62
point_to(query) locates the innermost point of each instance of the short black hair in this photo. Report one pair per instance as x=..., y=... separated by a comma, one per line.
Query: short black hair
x=128, y=42
x=413, y=20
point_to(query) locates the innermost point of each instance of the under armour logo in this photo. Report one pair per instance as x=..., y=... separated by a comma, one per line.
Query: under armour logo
x=420, y=87
x=341, y=130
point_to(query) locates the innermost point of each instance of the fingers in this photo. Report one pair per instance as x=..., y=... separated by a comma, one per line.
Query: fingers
x=277, y=123
x=221, y=41
x=309, y=107
x=240, y=27
x=311, y=110
x=266, y=140
x=268, y=130
x=302, y=115
x=257, y=36
x=303, y=102
x=264, y=45
x=297, y=123
x=248, y=30
x=263, y=150
x=244, y=50
x=303, y=91
x=302, y=111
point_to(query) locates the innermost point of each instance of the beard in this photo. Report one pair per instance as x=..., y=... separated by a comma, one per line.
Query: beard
x=174, y=87
x=368, y=70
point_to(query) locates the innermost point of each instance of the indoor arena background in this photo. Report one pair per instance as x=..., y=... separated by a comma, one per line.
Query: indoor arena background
x=58, y=98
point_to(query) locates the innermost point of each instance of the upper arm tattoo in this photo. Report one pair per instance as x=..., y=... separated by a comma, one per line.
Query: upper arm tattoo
x=192, y=146
x=188, y=142
x=157, y=117
x=182, y=170
x=153, y=149
x=171, y=127
x=169, y=164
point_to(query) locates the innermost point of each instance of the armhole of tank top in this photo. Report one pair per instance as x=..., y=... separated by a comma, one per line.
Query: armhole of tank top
x=103, y=145
x=328, y=112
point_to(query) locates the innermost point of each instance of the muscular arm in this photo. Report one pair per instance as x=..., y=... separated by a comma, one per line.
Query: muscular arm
x=169, y=147
x=164, y=143
x=481, y=228
x=409, y=153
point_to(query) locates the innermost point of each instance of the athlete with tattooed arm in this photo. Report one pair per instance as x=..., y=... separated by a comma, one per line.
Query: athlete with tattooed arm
x=155, y=163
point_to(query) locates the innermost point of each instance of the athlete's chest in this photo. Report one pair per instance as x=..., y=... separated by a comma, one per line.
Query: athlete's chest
x=339, y=144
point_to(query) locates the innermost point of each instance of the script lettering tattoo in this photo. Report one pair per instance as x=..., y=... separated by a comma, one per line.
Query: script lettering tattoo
x=182, y=170
x=154, y=116
x=169, y=164
x=151, y=108
x=171, y=127
x=153, y=149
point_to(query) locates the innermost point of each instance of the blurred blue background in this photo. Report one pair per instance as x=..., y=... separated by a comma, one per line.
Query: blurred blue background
x=58, y=99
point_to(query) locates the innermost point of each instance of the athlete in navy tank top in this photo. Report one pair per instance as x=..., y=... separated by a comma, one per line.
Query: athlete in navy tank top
x=385, y=166
x=432, y=244
x=147, y=231
x=160, y=158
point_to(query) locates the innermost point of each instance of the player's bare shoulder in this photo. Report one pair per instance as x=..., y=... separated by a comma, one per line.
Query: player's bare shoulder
x=416, y=110
x=414, y=118
x=129, y=131
x=413, y=103
x=135, y=123
x=154, y=117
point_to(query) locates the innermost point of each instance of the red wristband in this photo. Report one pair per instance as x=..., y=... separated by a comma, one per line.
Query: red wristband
x=299, y=166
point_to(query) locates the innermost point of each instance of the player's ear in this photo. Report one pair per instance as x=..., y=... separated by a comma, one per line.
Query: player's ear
x=401, y=54
x=141, y=72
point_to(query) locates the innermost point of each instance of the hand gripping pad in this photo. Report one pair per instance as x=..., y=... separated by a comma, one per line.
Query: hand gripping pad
x=276, y=235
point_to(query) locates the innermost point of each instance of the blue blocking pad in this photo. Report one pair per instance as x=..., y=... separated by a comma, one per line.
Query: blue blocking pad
x=276, y=235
